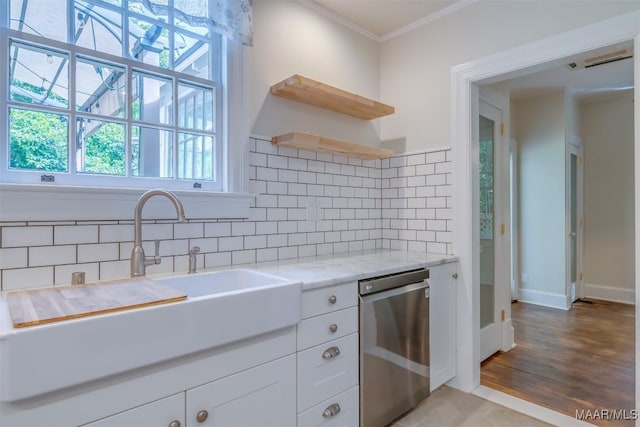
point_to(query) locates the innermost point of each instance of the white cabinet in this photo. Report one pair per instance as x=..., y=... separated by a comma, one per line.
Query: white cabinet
x=263, y=396
x=328, y=357
x=167, y=412
x=442, y=323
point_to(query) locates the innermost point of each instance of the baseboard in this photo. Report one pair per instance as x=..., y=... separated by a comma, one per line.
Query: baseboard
x=546, y=299
x=610, y=293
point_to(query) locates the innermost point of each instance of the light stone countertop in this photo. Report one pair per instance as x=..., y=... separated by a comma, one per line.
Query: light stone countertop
x=328, y=270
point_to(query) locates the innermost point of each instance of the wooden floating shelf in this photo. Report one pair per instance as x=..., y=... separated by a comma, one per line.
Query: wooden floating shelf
x=306, y=141
x=308, y=91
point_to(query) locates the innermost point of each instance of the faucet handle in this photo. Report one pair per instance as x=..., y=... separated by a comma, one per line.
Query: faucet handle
x=156, y=257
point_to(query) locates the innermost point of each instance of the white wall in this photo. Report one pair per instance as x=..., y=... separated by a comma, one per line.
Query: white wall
x=290, y=38
x=416, y=67
x=541, y=135
x=607, y=130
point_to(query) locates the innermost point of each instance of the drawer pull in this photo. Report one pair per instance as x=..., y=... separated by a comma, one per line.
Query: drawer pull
x=333, y=328
x=174, y=423
x=330, y=353
x=333, y=299
x=331, y=411
x=202, y=416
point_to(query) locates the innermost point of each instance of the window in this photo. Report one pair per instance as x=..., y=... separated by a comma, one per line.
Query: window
x=109, y=93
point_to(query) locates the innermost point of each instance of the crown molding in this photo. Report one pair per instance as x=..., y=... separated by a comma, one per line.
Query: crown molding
x=393, y=34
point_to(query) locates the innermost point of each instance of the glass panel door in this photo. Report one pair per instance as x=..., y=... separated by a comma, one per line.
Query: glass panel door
x=487, y=220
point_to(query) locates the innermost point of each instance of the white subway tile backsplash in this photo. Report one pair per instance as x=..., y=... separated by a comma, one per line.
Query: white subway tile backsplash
x=298, y=164
x=266, y=174
x=276, y=240
x=70, y=234
x=13, y=258
x=188, y=231
x=230, y=243
x=288, y=252
x=217, y=229
x=243, y=257
x=115, y=269
x=23, y=278
x=243, y=228
x=255, y=242
x=266, y=227
x=263, y=255
x=400, y=202
x=157, y=231
x=52, y=255
x=98, y=252
x=217, y=259
x=26, y=236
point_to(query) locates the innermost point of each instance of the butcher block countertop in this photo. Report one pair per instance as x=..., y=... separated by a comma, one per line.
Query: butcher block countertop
x=54, y=304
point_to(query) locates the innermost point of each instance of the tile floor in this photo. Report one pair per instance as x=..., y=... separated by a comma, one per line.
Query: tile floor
x=448, y=407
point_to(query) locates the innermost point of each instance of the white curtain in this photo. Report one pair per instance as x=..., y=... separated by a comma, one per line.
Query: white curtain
x=231, y=18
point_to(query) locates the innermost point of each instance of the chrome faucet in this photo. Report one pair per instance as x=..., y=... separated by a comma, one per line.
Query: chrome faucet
x=139, y=261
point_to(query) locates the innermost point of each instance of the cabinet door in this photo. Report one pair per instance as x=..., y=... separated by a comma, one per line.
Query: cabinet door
x=442, y=323
x=167, y=412
x=263, y=396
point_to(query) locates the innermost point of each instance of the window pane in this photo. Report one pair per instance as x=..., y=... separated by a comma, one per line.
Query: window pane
x=100, y=147
x=149, y=42
x=38, y=75
x=98, y=28
x=195, y=156
x=151, y=152
x=195, y=108
x=100, y=88
x=152, y=99
x=38, y=140
x=191, y=56
x=44, y=18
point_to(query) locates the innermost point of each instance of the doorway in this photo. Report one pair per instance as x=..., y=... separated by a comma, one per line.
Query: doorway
x=465, y=107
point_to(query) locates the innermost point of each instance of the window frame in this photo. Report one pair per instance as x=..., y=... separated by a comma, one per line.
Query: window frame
x=231, y=124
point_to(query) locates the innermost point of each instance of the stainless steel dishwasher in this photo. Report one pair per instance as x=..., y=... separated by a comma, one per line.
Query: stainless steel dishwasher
x=394, y=345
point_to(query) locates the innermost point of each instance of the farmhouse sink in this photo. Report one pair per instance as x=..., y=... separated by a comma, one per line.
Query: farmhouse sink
x=221, y=307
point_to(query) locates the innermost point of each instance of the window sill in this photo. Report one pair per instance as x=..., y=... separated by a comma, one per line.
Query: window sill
x=24, y=202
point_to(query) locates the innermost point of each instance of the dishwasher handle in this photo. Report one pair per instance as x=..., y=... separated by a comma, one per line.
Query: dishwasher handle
x=398, y=291
x=390, y=281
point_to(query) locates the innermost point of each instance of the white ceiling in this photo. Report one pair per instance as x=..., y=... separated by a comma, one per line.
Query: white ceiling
x=381, y=17
x=582, y=83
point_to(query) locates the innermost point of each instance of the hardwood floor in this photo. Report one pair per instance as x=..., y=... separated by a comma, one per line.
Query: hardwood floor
x=580, y=359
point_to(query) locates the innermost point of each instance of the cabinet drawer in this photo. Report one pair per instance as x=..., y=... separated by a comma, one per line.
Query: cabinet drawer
x=326, y=370
x=327, y=327
x=331, y=298
x=347, y=409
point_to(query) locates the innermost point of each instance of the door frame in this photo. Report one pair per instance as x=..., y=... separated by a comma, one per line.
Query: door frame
x=464, y=90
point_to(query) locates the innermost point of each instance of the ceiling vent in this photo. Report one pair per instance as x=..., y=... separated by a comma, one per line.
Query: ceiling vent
x=607, y=58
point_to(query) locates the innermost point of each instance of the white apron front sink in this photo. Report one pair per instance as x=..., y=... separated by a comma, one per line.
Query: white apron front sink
x=221, y=307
